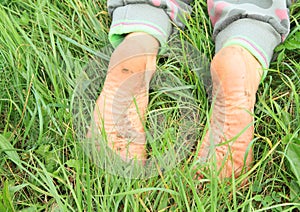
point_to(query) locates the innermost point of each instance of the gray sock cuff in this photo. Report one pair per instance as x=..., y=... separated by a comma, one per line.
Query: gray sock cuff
x=140, y=18
x=258, y=37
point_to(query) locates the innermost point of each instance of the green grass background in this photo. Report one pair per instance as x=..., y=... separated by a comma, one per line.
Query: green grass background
x=45, y=45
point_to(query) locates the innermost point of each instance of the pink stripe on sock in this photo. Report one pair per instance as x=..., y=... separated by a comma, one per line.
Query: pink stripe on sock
x=138, y=23
x=254, y=47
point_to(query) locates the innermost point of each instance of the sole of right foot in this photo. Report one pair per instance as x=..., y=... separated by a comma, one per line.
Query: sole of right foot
x=236, y=75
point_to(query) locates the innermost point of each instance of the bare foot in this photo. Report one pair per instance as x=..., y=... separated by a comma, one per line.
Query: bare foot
x=120, y=109
x=236, y=75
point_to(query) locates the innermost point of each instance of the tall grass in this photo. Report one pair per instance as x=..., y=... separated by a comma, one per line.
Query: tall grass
x=45, y=46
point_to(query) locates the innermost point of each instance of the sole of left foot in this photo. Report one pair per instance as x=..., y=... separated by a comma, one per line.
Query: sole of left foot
x=120, y=109
x=236, y=75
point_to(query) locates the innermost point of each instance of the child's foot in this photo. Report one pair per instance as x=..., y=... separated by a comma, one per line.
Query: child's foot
x=236, y=75
x=121, y=106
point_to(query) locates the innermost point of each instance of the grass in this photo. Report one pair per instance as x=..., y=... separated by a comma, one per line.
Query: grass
x=45, y=45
